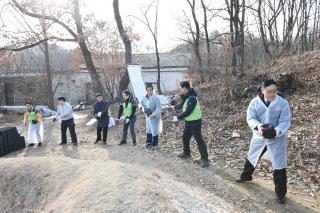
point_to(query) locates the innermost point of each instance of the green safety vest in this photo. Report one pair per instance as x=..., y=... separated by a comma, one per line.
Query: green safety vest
x=32, y=116
x=127, y=111
x=196, y=113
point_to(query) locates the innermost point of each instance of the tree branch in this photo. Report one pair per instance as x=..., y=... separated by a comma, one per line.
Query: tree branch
x=34, y=15
x=35, y=44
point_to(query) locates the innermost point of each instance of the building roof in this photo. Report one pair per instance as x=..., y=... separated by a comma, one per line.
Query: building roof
x=149, y=60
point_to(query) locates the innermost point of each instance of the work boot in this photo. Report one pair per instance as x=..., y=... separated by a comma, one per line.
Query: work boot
x=75, y=143
x=247, y=172
x=30, y=144
x=39, y=144
x=134, y=143
x=97, y=141
x=122, y=142
x=104, y=142
x=204, y=163
x=184, y=156
x=241, y=180
x=280, y=182
x=62, y=143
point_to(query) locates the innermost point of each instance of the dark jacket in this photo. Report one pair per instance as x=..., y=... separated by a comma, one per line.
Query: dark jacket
x=133, y=114
x=102, y=107
x=192, y=95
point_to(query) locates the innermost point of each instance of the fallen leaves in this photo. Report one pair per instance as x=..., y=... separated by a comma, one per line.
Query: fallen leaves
x=228, y=137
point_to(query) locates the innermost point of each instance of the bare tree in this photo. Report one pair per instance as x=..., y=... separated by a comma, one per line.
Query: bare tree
x=236, y=26
x=292, y=18
x=196, y=37
x=48, y=68
x=77, y=36
x=206, y=33
x=154, y=32
x=127, y=43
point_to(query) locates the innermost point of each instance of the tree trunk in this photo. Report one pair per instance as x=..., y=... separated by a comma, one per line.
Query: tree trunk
x=158, y=66
x=205, y=26
x=97, y=85
x=242, y=38
x=197, y=39
x=48, y=68
x=261, y=28
x=233, y=43
x=124, y=81
x=236, y=36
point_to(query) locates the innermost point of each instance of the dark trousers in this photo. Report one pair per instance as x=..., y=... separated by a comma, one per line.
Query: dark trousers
x=131, y=124
x=104, y=131
x=279, y=176
x=68, y=124
x=249, y=168
x=152, y=140
x=280, y=182
x=194, y=131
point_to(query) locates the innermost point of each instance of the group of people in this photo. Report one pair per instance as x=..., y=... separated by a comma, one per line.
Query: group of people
x=268, y=116
x=33, y=119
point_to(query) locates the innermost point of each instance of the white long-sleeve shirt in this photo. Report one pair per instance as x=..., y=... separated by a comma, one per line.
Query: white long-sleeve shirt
x=65, y=111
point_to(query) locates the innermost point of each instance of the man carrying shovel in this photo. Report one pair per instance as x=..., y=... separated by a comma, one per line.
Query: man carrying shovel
x=101, y=113
x=127, y=114
x=191, y=113
x=65, y=113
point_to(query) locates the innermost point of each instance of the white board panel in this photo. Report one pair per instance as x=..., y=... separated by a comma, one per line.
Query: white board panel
x=138, y=86
x=136, y=79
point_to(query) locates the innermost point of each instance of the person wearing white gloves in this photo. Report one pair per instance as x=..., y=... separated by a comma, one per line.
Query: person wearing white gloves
x=191, y=114
x=65, y=113
x=101, y=113
x=269, y=118
x=151, y=106
x=33, y=119
x=127, y=114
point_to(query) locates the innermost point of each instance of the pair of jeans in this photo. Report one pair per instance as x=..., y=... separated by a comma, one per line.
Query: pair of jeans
x=131, y=124
x=195, y=131
x=68, y=124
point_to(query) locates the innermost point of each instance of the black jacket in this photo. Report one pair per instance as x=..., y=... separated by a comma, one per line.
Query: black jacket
x=192, y=95
x=120, y=111
x=102, y=107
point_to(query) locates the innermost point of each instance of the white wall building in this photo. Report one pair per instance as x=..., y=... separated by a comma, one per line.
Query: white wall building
x=173, y=68
x=16, y=87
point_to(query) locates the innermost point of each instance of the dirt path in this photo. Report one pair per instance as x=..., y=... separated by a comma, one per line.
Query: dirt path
x=111, y=178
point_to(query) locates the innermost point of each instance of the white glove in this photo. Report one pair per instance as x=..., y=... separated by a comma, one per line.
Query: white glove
x=260, y=129
x=169, y=108
x=99, y=114
x=127, y=120
x=122, y=118
x=142, y=109
x=277, y=133
x=152, y=115
x=175, y=119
